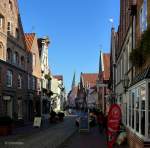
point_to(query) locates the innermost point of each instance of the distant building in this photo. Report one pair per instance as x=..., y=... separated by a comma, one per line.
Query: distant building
x=43, y=44
x=103, y=82
x=58, y=98
x=87, y=84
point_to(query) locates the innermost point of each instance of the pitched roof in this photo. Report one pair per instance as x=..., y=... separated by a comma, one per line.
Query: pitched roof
x=29, y=38
x=106, y=61
x=89, y=79
x=58, y=77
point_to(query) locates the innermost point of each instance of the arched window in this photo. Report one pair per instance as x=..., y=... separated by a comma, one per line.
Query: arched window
x=9, y=55
x=1, y=50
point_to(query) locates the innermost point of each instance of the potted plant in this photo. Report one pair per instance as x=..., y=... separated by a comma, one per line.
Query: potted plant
x=5, y=125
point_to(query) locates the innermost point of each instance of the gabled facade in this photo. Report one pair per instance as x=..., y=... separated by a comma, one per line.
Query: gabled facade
x=34, y=75
x=13, y=63
x=103, y=82
x=87, y=82
x=58, y=97
x=43, y=44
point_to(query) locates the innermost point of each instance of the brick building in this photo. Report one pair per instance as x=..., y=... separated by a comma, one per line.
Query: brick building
x=13, y=64
x=130, y=74
x=34, y=74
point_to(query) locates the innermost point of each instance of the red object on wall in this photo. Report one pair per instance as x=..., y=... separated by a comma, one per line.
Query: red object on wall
x=113, y=124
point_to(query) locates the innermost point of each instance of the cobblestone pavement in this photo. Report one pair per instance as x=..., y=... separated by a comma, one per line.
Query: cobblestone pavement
x=49, y=137
x=93, y=139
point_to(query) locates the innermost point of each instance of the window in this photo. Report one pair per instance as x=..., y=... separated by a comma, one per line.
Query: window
x=9, y=78
x=29, y=82
x=1, y=50
x=143, y=16
x=10, y=5
x=137, y=109
x=1, y=21
x=22, y=61
x=16, y=58
x=33, y=83
x=19, y=108
x=34, y=60
x=17, y=33
x=9, y=28
x=9, y=55
x=19, y=81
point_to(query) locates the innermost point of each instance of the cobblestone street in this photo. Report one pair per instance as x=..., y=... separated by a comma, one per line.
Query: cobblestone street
x=50, y=137
x=91, y=139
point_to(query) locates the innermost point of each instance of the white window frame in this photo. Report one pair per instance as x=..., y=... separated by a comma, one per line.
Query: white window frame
x=145, y=136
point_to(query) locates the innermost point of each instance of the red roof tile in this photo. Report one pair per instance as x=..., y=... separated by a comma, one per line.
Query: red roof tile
x=58, y=77
x=106, y=61
x=89, y=79
x=29, y=38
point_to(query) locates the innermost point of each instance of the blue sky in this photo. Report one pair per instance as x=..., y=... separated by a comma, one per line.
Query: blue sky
x=78, y=29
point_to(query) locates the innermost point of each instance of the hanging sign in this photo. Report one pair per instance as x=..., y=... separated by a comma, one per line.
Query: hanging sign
x=113, y=124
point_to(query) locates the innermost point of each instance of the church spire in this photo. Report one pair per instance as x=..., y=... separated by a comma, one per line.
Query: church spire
x=73, y=81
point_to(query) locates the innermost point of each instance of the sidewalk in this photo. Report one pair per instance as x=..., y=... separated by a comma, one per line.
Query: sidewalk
x=51, y=136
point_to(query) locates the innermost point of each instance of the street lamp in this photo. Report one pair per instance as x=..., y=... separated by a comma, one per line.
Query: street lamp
x=125, y=82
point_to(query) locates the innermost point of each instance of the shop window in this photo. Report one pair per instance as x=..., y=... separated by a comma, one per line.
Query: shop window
x=143, y=98
x=137, y=97
x=132, y=110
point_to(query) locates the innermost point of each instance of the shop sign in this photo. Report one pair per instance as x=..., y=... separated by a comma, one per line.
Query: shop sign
x=114, y=119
